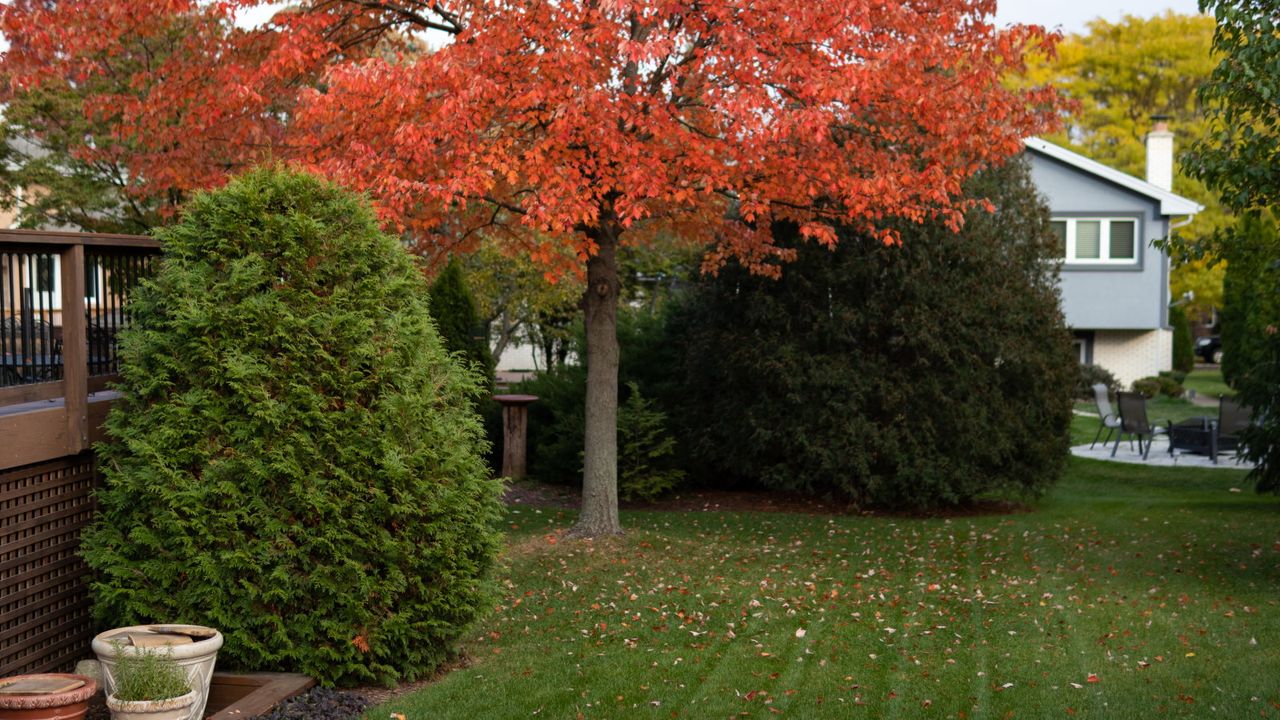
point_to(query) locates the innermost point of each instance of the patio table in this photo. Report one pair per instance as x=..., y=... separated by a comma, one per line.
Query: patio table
x=1197, y=435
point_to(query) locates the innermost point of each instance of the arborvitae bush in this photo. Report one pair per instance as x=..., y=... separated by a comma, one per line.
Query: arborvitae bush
x=914, y=377
x=1251, y=338
x=1184, y=356
x=295, y=459
x=645, y=449
x=457, y=320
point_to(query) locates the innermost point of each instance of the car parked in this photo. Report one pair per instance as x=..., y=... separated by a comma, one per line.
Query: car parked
x=1209, y=348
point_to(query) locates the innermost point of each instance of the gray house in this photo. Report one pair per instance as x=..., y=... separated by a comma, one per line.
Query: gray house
x=1115, y=283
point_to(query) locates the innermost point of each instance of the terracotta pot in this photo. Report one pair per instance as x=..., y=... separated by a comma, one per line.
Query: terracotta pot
x=68, y=705
x=196, y=660
x=171, y=709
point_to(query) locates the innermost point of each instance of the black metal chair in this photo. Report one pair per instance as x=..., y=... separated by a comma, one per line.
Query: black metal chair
x=1133, y=421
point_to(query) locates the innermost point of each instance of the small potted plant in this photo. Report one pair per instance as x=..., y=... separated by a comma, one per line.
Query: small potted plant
x=149, y=686
x=193, y=648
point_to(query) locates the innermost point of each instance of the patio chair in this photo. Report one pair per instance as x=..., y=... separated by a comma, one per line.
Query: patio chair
x=1133, y=422
x=1233, y=418
x=1110, y=420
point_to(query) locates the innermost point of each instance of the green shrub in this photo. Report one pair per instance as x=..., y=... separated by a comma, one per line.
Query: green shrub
x=1090, y=375
x=917, y=376
x=1149, y=387
x=1176, y=375
x=1159, y=385
x=458, y=321
x=149, y=674
x=1170, y=387
x=644, y=448
x=295, y=458
x=1251, y=337
x=1184, y=355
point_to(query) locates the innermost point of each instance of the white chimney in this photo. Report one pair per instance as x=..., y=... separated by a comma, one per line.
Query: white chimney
x=1160, y=154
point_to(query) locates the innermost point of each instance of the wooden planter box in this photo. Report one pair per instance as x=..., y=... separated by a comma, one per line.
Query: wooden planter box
x=242, y=696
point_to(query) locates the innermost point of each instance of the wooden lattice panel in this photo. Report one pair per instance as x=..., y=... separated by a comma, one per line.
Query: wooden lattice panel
x=45, y=623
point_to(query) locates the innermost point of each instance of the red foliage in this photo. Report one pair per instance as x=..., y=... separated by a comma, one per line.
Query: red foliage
x=545, y=121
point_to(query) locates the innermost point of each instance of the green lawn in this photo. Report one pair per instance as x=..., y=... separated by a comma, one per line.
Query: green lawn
x=1127, y=592
x=1207, y=382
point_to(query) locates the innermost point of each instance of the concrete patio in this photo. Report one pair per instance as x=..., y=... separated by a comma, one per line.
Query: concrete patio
x=1159, y=456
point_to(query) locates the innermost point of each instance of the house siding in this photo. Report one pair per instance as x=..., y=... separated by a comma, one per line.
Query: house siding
x=1108, y=297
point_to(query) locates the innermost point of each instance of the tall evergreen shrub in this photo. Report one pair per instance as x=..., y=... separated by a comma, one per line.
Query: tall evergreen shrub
x=457, y=320
x=295, y=459
x=914, y=377
x=1251, y=337
x=1184, y=357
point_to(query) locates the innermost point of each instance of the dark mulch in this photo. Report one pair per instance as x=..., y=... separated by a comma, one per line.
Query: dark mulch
x=319, y=704
x=541, y=495
x=544, y=495
x=535, y=494
x=378, y=694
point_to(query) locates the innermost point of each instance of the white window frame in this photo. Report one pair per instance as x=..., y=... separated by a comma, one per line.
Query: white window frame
x=1104, y=249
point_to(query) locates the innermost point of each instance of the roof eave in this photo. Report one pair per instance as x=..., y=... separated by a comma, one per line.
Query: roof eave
x=1171, y=204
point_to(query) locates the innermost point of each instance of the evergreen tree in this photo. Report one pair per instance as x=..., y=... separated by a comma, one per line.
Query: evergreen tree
x=295, y=459
x=1184, y=356
x=1239, y=160
x=912, y=376
x=457, y=321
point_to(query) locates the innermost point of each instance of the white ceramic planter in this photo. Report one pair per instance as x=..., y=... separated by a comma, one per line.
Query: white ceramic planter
x=196, y=660
x=171, y=709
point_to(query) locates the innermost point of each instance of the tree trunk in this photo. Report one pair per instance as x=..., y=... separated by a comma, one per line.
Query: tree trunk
x=600, y=462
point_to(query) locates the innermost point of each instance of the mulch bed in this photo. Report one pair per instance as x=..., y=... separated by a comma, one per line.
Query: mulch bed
x=378, y=694
x=563, y=497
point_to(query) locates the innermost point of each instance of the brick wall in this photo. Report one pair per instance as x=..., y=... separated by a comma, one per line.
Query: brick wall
x=1133, y=354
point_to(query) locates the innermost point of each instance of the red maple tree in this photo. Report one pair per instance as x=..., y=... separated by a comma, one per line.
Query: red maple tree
x=585, y=124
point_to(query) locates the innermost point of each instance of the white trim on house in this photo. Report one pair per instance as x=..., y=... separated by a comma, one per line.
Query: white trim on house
x=1103, y=241
x=1170, y=204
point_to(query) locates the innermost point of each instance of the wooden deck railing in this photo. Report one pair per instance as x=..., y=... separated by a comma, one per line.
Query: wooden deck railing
x=62, y=303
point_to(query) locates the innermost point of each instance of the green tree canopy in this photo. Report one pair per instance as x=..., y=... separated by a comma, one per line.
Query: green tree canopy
x=914, y=377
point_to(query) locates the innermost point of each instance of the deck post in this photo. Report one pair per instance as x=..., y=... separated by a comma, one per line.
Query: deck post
x=75, y=361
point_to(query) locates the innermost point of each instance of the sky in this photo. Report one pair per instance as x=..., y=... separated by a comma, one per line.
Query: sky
x=1070, y=17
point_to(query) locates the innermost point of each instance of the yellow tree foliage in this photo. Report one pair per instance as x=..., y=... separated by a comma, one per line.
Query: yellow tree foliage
x=1120, y=74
